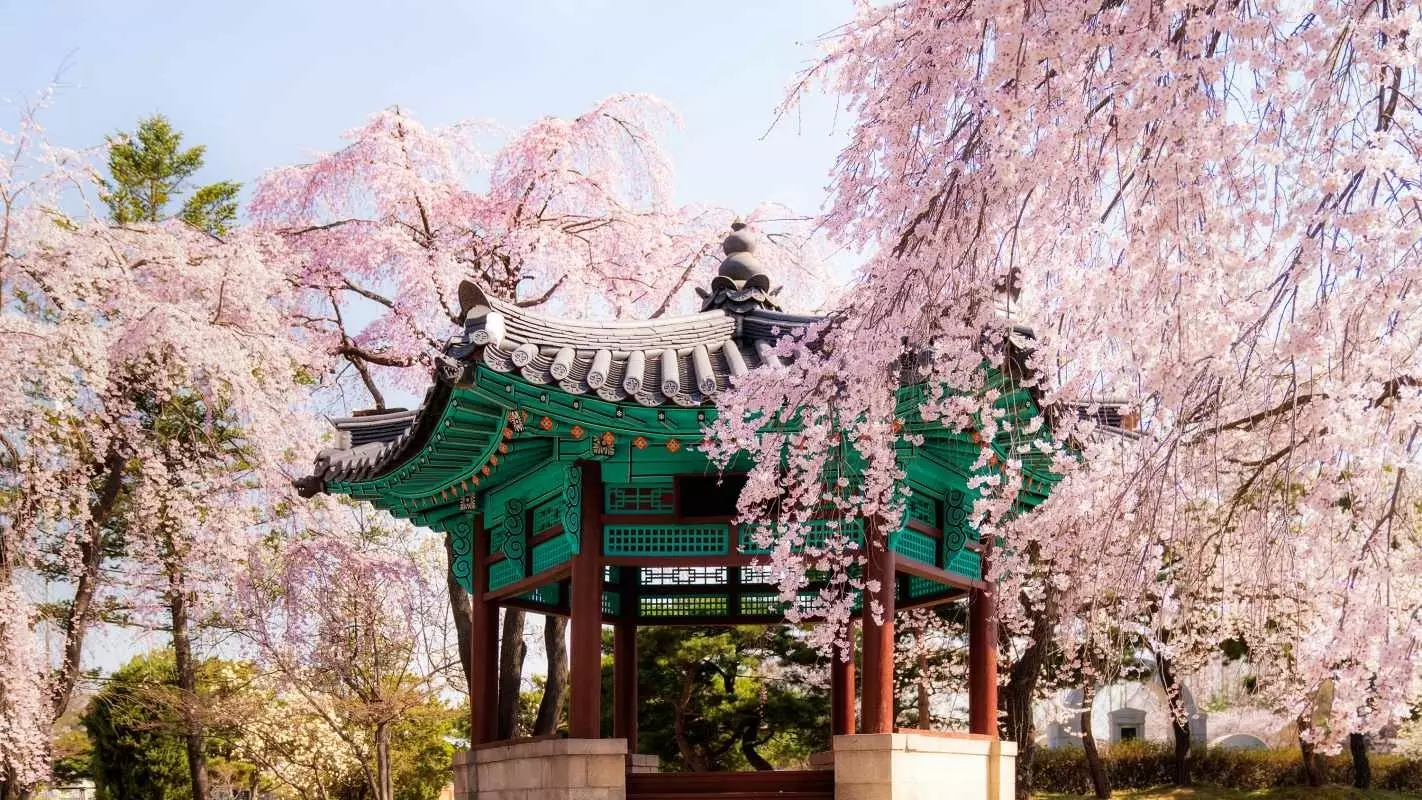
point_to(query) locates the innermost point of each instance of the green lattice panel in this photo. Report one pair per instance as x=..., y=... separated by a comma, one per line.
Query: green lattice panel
x=611, y=604
x=665, y=540
x=816, y=537
x=641, y=498
x=762, y=605
x=923, y=509
x=548, y=514
x=551, y=553
x=810, y=604
x=505, y=572
x=547, y=595
x=700, y=605
x=967, y=563
x=914, y=545
x=922, y=587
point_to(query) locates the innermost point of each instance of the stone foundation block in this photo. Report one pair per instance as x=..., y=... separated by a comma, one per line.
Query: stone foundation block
x=922, y=766
x=547, y=769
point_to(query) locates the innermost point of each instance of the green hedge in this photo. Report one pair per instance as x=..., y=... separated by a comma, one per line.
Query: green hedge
x=1141, y=765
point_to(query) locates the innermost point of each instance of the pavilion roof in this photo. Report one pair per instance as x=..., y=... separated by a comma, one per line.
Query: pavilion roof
x=683, y=361
x=672, y=362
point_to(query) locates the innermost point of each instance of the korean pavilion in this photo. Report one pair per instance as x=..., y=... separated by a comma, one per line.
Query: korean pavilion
x=560, y=457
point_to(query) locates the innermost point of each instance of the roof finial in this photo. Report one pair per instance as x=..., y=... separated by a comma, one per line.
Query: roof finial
x=739, y=264
x=740, y=283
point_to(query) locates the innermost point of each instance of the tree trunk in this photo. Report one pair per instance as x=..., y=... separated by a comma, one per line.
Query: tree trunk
x=1020, y=692
x=748, y=748
x=925, y=710
x=461, y=607
x=693, y=759
x=511, y=653
x=1362, y=769
x=187, y=681
x=1179, y=718
x=385, y=789
x=9, y=787
x=91, y=556
x=1100, y=783
x=1312, y=775
x=555, y=689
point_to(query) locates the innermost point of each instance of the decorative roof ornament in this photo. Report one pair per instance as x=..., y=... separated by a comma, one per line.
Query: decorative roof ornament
x=739, y=286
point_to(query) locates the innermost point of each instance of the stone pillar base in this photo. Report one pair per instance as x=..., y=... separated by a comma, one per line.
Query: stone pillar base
x=921, y=766
x=643, y=764
x=548, y=769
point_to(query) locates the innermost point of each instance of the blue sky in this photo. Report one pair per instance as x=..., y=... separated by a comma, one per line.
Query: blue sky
x=265, y=83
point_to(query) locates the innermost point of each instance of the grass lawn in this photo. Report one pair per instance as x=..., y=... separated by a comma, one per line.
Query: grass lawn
x=1210, y=793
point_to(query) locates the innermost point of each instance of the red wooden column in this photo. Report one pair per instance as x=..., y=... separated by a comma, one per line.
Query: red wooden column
x=982, y=656
x=585, y=612
x=484, y=642
x=878, y=667
x=624, y=682
x=842, y=688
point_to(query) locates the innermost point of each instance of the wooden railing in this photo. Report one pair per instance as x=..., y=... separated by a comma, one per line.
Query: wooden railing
x=796, y=785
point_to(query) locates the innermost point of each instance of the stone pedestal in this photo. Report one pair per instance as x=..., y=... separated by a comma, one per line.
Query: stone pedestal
x=642, y=764
x=921, y=766
x=549, y=769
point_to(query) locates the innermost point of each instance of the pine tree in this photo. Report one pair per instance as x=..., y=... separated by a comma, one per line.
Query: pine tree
x=149, y=168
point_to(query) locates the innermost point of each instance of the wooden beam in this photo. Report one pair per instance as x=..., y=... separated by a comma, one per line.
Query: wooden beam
x=684, y=561
x=842, y=688
x=908, y=566
x=550, y=575
x=624, y=683
x=933, y=600
x=585, y=617
x=982, y=657
x=878, y=679
x=484, y=642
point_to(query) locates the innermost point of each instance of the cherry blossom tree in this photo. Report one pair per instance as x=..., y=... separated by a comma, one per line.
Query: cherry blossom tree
x=349, y=625
x=109, y=333
x=574, y=213
x=1206, y=213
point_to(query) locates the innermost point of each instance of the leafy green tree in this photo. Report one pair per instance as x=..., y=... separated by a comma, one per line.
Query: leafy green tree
x=135, y=754
x=149, y=168
x=136, y=726
x=420, y=752
x=724, y=699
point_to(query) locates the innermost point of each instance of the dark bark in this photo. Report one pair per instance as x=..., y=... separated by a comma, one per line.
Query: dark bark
x=384, y=789
x=187, y=681
x=925, y=710
x=511, y=654
x=91, y=556
x=9, y=787
x=1179, y=718
x=462, y=607
x=555, y=689
x=1100, y=783
x=1313, y=776
x=1362, y=768
x=1020, y=692
x=689, y=753
x=749, y=742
